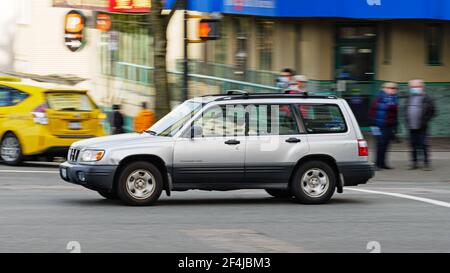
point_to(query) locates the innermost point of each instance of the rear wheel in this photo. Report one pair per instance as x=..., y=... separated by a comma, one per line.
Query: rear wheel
x=314, y=183
x=282, y=194
x=140, y=184
x=108, y=195
x=10, y=150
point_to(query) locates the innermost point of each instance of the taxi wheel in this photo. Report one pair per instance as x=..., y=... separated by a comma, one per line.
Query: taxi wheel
x=11, y=150
x=140, y=184
x=108, y=195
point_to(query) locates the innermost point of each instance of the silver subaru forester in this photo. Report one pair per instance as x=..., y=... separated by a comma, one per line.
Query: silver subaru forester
x=293, y=146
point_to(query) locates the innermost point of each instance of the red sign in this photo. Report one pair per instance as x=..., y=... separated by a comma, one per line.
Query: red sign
x=130, y=5
x=103, y=22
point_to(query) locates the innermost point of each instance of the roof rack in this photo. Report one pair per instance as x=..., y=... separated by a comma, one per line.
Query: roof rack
x=238, y=94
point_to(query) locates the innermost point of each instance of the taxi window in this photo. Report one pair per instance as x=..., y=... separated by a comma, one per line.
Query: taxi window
x=11, y=97
x=69, y=102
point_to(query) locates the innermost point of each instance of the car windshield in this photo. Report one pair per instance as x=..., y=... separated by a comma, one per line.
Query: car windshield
x=175, y=120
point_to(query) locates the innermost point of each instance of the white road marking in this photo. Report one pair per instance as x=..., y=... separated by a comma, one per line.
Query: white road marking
x=406, y=196
x=24, y=171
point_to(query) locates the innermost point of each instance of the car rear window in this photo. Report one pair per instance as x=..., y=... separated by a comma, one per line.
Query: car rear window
x=322, y=119
x=69, y=102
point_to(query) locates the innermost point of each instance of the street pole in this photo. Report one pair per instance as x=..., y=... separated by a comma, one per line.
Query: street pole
x=186, y=54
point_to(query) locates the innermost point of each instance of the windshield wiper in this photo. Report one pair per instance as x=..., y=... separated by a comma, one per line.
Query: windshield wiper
x=153, y=133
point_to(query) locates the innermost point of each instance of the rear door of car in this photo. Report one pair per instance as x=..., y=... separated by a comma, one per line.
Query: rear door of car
x=71, y=113
x=275, y=142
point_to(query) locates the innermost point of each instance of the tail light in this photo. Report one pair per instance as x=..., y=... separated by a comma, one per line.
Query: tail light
x=363, y=149
x=39, y=115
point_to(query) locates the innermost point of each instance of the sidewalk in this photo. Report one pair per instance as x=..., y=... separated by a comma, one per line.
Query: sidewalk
x=399, y=158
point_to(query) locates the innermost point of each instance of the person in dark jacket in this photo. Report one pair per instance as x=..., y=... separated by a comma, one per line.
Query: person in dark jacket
x=419, y=111
x=117, y=120
x=384, y=116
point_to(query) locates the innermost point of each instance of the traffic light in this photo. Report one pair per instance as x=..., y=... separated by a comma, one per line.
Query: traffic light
x=209, y=29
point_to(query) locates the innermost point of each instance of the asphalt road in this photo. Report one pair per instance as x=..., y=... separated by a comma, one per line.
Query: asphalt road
x=41, y=213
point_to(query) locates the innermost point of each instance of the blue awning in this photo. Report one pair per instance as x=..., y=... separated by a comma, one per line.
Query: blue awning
x=359, y=9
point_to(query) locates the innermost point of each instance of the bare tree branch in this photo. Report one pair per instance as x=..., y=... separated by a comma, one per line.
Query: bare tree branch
x=177, y=5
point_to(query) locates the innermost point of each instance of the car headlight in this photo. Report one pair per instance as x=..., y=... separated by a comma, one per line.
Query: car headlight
x=92, y=155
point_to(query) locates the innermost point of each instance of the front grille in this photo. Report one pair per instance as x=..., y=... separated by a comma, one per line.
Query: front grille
x=73, y=154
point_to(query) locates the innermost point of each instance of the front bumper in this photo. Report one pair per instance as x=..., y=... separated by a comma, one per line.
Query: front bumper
x=356, y=173
x=92, y=177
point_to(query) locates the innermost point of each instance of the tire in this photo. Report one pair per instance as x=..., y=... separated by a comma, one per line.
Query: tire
x=281, y=194
x=314, y=183
x=108, y=195
x=140, y=184
x=13, y=158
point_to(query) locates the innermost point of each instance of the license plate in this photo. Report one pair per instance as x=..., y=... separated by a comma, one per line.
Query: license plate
x=75, y=125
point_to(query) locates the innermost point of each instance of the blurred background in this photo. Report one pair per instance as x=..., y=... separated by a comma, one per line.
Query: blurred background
x=346, y=48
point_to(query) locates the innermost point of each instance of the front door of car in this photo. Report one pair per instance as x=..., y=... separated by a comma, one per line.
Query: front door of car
x=275, y=143
x=213, y=150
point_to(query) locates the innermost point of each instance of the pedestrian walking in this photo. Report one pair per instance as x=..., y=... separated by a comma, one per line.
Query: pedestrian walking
x=144, y=119
x=285, y=80
x=420, y=110
x=384, y=116
x=117, y=121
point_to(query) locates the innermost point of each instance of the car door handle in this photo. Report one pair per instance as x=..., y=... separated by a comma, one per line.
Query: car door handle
x=293, y=140
x=232, y=142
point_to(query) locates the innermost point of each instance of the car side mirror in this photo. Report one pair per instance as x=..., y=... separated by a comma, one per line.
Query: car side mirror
x=196, y=131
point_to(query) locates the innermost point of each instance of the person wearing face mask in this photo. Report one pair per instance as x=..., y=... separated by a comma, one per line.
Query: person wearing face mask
x=420, y=110
x=384, y=116
x=284, y=81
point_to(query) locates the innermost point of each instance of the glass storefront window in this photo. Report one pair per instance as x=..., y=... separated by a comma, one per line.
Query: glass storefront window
x=127, y=48
x=435, y=34
x=357, y=32
x=265, y=32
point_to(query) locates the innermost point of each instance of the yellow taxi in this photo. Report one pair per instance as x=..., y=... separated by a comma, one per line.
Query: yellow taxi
x=43, y=119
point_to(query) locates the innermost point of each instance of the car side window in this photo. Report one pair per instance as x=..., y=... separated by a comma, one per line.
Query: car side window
x=10, y=96
x=322, y=119
x=5, y=97
x=222, y=121
x=18, y=96
x=272, y=120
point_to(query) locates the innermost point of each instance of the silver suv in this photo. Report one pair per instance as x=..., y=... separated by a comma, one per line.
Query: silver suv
x=292, y=146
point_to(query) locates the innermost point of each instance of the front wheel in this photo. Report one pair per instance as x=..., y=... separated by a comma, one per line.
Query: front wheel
x=140, y=184
x=314, y=183
x=11, y=150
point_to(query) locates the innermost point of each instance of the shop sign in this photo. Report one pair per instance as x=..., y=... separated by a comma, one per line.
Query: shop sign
x=99, y=5
x=130, y=5
x=74, y=25
x=103, y=22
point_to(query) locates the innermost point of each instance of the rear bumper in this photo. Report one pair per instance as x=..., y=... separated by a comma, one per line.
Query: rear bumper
x=356, y=173
x=43, y=144
x=92, y=177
